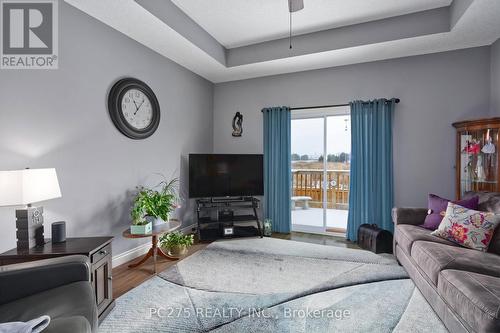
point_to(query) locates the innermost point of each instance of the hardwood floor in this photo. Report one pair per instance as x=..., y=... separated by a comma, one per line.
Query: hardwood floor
x=125, y=278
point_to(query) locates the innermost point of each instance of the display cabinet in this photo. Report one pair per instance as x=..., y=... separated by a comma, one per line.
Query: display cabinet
x=477, y=165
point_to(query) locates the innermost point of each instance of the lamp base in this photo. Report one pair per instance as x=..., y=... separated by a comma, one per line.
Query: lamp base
x=29, y=224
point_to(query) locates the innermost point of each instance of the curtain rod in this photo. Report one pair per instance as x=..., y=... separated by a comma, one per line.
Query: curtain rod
x=397, y=100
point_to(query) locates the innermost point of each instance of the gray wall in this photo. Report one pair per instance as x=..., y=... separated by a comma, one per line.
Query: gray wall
x=435, y=90
x=495, y=79
x=59, y=119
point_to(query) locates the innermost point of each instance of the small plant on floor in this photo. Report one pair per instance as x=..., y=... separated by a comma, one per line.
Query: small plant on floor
x=176, y=243
x=155, y=204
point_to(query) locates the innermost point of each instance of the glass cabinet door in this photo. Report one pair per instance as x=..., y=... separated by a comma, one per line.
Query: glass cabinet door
x=478, y=160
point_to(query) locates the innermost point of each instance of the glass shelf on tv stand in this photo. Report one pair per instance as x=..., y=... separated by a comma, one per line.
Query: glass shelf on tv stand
x=246, y=202
x=208, y=205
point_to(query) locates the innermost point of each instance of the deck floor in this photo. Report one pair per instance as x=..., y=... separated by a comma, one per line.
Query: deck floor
x=313, y=217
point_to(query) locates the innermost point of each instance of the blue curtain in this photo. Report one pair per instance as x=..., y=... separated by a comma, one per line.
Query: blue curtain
x=277, y=167
x=371, y=184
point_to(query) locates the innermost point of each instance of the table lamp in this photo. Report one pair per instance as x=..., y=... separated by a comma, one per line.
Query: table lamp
x=25, y=187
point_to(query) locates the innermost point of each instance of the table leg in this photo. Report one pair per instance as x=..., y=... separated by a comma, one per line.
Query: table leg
x=143, y=260
x=155, y=252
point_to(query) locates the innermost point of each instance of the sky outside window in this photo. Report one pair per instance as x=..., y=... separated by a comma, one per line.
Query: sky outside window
x=307, y=135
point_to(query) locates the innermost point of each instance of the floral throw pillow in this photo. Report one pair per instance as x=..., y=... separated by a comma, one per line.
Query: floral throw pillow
x=467, y=227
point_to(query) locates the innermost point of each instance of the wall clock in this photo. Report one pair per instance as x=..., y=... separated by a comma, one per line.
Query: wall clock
x=133, y=108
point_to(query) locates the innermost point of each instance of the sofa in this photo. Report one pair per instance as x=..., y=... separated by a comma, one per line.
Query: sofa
x=57, y=287
x=462, y=285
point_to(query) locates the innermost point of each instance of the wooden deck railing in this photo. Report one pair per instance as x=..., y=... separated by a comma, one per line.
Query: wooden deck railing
x=309, y=182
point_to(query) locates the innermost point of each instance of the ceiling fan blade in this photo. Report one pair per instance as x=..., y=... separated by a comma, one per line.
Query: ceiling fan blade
x=295, y=5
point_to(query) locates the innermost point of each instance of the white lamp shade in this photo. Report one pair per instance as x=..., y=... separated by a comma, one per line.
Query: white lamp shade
x=22, y=187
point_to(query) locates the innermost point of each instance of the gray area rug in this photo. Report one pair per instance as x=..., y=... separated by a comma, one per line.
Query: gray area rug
x=273, y=285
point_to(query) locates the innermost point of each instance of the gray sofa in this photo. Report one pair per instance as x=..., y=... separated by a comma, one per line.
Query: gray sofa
x=461, y=285
x=59, y=288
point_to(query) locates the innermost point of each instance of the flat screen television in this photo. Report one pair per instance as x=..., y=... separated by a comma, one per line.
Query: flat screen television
x=225, y=175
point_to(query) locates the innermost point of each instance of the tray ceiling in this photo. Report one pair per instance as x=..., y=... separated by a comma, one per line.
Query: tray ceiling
x=237, y=23
x=198, y=34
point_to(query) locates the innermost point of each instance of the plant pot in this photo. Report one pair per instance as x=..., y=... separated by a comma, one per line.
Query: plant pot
x=177, y=251
x=156, y=220
x=141, y=229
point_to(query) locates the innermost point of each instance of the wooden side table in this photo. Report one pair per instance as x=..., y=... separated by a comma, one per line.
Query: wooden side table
x=154, y=251
x=98, y=249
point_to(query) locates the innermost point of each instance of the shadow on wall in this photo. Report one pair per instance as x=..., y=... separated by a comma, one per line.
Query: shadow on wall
x=112, y=218
x=109, y=217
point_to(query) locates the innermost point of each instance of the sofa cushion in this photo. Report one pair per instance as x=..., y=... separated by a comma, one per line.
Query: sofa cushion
x=468, y=227
x=74, y=300
x=406, y=235
x=489, y=202
x=437, y=207
x=432, y=258
x=474, y=297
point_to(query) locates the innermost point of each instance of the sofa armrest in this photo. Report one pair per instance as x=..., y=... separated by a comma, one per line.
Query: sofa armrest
x=413, y=216
x=22, y=280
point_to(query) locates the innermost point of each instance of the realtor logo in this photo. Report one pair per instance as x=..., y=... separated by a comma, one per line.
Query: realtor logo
x=29, y=34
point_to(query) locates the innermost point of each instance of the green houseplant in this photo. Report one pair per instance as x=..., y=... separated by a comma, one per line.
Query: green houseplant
x=152, y=205
x=176, y=243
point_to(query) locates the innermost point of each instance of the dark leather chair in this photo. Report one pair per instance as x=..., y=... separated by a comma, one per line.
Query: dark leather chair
x=58, y=287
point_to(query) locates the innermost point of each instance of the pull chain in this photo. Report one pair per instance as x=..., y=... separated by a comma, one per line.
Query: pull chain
x=290, y=30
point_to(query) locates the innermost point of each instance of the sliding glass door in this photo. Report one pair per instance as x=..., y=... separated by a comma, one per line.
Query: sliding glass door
x=321, y=149
x=308, y=145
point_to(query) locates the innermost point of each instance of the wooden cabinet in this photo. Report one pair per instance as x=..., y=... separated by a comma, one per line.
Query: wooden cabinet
x=98, y=249
x=102, y=279
x=477, y=157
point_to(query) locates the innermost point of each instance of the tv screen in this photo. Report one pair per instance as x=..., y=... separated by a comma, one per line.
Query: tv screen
x=225, y=175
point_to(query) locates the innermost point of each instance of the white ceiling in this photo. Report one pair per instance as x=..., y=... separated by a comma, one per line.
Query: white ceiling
x=478, y=26
x=235, y=23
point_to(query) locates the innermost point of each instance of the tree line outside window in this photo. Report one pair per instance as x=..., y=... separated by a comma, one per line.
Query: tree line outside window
x=342, y=157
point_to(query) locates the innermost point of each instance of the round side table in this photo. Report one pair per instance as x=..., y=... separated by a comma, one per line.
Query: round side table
x=154, y=251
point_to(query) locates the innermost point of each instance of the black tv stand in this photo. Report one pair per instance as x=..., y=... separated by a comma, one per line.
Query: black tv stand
x=215, y=215
x=227, y=199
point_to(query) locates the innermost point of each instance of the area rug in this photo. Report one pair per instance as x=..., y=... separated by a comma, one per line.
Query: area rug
x=274, y=285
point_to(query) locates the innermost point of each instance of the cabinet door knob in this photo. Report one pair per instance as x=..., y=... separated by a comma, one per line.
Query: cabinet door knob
x=110, y=278
x=103, y=252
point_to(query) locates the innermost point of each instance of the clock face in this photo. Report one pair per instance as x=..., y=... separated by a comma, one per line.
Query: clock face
x=133, y=108
x=136, y=109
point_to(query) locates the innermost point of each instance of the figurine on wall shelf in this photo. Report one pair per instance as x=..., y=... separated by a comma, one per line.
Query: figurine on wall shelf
x=489, y=147
x=237, y=124
x=472, y=147
x=480, y=176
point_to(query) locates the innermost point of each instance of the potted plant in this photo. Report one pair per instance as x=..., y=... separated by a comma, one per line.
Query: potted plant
x=176, y=244
x=153, y=206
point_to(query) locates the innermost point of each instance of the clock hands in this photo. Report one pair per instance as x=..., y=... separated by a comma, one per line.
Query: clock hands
x=139, y=106
x=141, y=103
x=136, y=108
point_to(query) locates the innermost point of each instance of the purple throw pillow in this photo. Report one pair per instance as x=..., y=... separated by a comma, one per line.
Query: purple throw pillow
x=437, y=208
